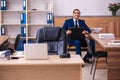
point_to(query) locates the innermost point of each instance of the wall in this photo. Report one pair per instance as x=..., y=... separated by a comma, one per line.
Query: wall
x=87, y=7
x=109, y=24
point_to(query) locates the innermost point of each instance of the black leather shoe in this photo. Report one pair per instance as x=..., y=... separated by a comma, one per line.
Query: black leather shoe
x=87, y=60
x=82, y=65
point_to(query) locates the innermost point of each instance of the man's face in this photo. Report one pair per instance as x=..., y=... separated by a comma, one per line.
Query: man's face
x=76, y=14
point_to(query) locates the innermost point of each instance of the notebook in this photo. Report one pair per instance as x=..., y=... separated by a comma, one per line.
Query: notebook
x=77, y=33
x=35, y=51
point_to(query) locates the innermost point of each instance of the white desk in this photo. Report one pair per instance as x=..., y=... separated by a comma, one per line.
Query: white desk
x=54, y=68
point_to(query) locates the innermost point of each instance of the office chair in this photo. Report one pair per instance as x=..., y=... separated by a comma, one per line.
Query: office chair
x=13, y=47
x=71, y=47
x=55, y=37
x=96, y=55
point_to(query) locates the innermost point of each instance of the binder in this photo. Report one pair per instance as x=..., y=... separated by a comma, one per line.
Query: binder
x=23, y=18
x=20, y=46
x=49, y=18
x=24, y=4
x=23, y=31
x=2, y=30
x=30, y=41
x=3, y=4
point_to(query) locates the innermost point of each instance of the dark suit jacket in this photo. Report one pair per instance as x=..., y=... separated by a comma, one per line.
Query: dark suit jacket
x=69, y=23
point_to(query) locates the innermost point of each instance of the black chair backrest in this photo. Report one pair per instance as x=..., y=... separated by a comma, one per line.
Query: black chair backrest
x=17, y=41
x=55, y=37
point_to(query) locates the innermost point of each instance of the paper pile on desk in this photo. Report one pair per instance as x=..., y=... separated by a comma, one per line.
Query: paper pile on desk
x=96, y=30
x=106, y=36
x=4, y=54
x=114, y=42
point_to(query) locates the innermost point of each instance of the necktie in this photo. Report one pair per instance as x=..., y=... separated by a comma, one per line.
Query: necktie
x=76, y=23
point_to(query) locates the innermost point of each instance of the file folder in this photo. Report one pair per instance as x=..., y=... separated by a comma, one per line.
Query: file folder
x=49, y=18
x=20, y=45
x=30, y=41
x=23, y=31
x=24, y=4
x=3, y=4
x=23, y=18
x=2, y=30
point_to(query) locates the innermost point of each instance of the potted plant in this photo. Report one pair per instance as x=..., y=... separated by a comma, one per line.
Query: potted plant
x=114, y=7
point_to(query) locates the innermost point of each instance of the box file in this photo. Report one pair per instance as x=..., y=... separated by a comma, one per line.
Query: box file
x=20, y=45
x=49, y=18
x=3, y=4
x=0, y=31
x=30, y=41
x=24, y=4
x=23, y=31
x=23, y=18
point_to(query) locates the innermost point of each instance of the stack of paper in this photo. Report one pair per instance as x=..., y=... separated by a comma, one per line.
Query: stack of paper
x=5, y=54
x=2, y=54
x=114, y=42
x=106, y=36
x=96, y=30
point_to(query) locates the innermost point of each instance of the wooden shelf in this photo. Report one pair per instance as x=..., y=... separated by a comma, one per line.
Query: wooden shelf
x=35, y=19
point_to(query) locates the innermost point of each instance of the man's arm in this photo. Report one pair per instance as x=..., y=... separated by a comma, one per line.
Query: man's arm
x=65, y=25
x=86, y=27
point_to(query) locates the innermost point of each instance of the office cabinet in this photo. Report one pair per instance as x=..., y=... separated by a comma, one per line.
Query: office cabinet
x=25, y=17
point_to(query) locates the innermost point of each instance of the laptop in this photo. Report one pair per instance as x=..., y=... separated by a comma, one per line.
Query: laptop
x=36, y=51
x=76, y=33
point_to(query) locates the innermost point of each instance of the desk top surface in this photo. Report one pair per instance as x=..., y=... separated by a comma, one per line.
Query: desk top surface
x=3, y=39
x=104, y=43
x=53, y=60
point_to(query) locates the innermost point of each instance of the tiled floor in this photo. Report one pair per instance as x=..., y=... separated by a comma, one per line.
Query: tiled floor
x=101, y=74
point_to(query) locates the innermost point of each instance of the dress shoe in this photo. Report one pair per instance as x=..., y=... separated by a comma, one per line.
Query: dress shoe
x=83, y=65
x=86, y=60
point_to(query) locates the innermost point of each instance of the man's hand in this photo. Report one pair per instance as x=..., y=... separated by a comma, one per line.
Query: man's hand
x=68, y=32
x=84, y=32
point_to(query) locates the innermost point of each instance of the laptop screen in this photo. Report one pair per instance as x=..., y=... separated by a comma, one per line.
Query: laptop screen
x=36, y=51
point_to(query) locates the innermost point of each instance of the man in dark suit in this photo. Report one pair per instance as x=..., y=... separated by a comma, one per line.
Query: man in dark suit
x=76, y=22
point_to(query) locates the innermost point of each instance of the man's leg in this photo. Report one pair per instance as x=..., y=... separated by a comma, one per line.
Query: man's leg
x=77, y=44
x=91, y=49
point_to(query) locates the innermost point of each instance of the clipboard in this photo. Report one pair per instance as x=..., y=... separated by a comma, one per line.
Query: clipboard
x=77, y=33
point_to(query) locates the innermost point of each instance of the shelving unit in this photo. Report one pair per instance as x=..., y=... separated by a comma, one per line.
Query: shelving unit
x=35, y=16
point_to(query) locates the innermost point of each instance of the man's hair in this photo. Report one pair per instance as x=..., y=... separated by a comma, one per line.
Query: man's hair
x=76, y=10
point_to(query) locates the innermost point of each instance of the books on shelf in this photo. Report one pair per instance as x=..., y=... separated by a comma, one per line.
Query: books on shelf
x=3, y=4
x=49, y=18
x=23, y=18
x=23, y=31
x=106, y=36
